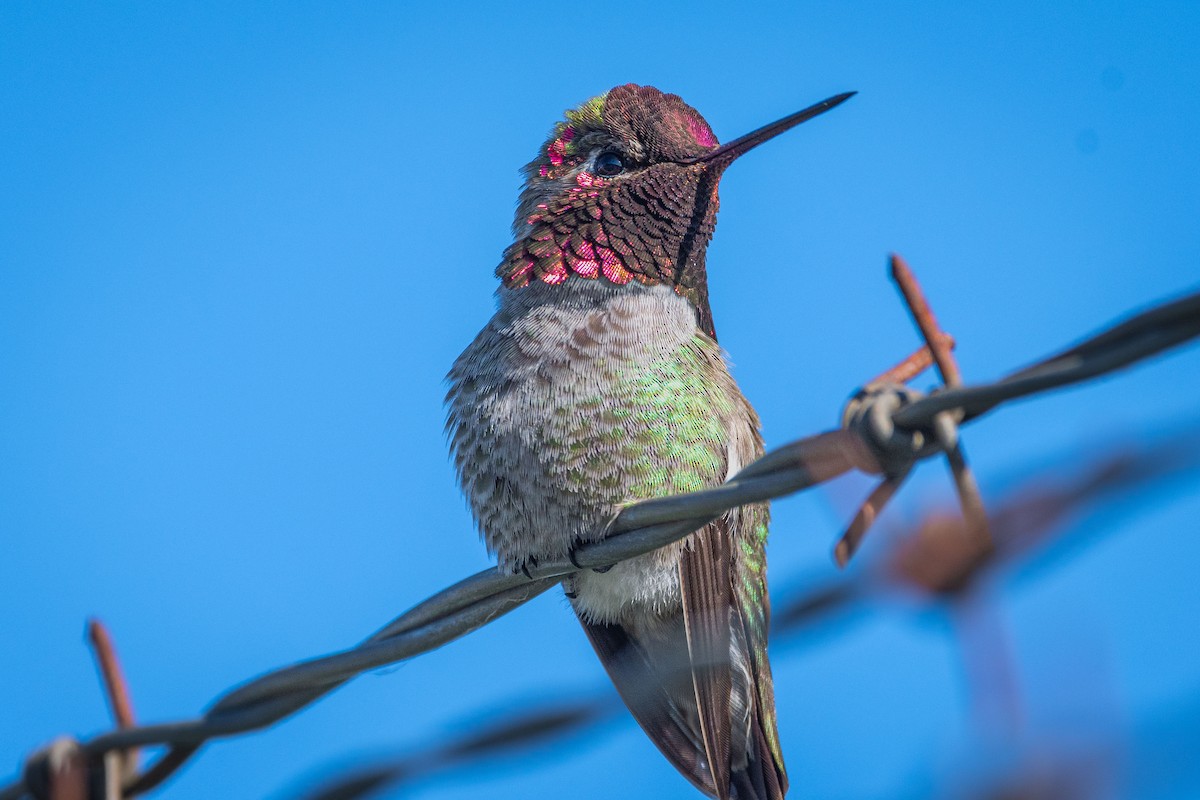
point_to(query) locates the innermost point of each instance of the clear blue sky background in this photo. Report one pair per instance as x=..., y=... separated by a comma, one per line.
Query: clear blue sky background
x=240, y=247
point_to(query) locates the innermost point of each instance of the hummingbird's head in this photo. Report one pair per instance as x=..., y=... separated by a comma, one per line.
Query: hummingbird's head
x=624, y=190
x=611, y=140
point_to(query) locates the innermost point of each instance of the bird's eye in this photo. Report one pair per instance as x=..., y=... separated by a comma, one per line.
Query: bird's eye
x=609, y=164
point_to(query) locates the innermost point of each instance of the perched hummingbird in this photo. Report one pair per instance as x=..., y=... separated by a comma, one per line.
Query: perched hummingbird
x=598, y=383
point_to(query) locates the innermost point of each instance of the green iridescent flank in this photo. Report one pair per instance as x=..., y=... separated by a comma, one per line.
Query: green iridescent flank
x=678, y=414
x=755, y=604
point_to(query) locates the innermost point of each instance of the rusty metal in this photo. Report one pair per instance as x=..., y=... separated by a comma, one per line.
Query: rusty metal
x=911, y=367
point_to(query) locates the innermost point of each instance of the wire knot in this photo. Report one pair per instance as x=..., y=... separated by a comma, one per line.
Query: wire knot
x=869, y=413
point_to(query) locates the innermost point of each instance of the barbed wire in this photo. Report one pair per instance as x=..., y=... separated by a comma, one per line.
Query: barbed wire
x=888, y=428
x=922, y=561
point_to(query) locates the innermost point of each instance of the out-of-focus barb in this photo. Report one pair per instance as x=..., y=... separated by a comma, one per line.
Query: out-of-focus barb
x=65, y=769
x=61, y=771
x=937, y=559
x=116, y=690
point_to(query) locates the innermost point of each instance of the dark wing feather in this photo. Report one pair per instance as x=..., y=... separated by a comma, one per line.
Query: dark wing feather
x=677, y=679
x=704, y=582
x=649, y=697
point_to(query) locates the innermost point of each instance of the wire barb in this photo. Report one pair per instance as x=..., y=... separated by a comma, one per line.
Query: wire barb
x=945, y=423
x=119, y=766
x=911, y=367
x=899, y=450
x=922, y=314
x=867, y=513
x=116, y=688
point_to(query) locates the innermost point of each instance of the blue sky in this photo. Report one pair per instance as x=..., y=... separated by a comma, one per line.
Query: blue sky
x=242, y=245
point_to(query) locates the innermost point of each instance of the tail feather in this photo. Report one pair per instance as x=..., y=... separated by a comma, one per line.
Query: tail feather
x=650, y=670
x=656, y=700
x=698, y=680
x=761, y=778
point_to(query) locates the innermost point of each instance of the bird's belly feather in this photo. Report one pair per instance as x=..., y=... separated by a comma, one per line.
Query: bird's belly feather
x=559, y=416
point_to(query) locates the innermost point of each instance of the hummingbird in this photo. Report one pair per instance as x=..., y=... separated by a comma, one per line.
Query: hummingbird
x=598, y=383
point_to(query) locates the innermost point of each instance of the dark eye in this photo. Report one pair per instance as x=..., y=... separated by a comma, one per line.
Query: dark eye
x=609, y=164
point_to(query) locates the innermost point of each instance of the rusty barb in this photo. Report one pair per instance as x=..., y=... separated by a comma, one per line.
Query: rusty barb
x=64, y=769
x=896, y=449
x=888, y=428
x=116, y=690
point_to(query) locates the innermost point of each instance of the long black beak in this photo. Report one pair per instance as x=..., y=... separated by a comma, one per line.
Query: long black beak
x=728, y=152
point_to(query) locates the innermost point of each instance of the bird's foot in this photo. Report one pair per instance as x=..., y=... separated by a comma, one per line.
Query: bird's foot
x=525, y=565
x=575, y=561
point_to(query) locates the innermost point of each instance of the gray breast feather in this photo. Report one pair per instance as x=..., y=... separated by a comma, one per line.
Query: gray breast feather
x=534, y=390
